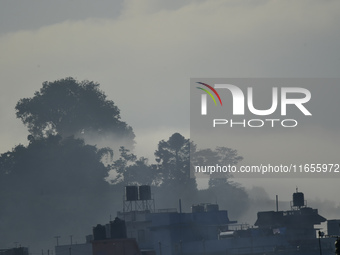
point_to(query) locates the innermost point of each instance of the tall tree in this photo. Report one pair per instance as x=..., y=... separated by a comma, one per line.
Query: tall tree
x=173, y=158
x=68, y=107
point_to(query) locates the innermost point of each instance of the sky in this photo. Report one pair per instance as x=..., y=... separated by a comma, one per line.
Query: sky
x=144, y=52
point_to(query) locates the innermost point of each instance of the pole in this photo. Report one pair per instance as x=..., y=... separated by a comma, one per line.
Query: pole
x=320, y=242
x=203, y=247
x=57, y=237
x=71, y=239
x=160, y=248
x=180, y=205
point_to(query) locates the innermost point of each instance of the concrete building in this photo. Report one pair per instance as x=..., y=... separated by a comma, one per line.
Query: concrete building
x=74, y=249
x=14, y=251
x=165, y=231
x=115, y=247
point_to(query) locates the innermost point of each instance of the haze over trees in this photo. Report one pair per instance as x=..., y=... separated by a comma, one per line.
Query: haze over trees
x=50, y=185
x=58, y=183
x=70, y=108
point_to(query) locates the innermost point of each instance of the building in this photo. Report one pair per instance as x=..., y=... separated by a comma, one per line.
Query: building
x=165, y=231
x=115, y=247
x=142, y=230
x=14, y=251
x=333, y=227
x=74, y=249
x=208, y=230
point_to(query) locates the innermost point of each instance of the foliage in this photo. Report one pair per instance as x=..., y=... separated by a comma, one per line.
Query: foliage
x=173, y=158
x=53, y=164
x=54, y=182
x=222, y=156
x=132, y=171
x=68, y=107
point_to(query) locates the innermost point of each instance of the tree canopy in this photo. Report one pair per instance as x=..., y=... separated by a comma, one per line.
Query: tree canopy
x=67, y=107
x=131, y=170
x=173, y=158
x=52, y=182
x=223, y=156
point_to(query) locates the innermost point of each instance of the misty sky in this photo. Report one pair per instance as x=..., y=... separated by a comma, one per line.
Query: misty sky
x=144, y=52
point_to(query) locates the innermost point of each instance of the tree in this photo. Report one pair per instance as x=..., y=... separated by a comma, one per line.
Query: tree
x=120, y=166
x=67, y=107
x=222, y=156
x=220, y=183
x=54, y=182
x=173, y=158
x=132, y=171
x=55, y=164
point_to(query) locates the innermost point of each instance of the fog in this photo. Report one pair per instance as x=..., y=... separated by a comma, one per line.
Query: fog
x=143, y=54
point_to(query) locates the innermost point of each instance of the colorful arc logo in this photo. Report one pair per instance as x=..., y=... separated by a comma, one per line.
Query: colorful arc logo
x=204, y=97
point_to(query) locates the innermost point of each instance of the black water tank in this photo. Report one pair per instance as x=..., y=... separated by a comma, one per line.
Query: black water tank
x=118, y=229
x=298, y=199
x=197, y=208
x=99, y=232
x=144, y=192
x=131, y=193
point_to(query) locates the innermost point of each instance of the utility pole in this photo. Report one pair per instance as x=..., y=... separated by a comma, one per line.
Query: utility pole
x=203, y=247
x=57, y=237
x=160, y=248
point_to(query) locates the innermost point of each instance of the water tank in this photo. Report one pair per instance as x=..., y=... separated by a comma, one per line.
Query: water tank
x=99, y=232
x=144, y=192
x=118, y=229
x=298, y=199
x=211, y=208
x=131, y=193
x=197, y=208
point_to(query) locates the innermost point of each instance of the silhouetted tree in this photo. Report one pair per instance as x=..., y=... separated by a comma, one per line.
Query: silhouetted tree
x=68, y=107
x=173, y=158
x=131, y=170
x=222, y=156
x=235, y=198
x=142, y=173
x=54, y=182
x=120, y=165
